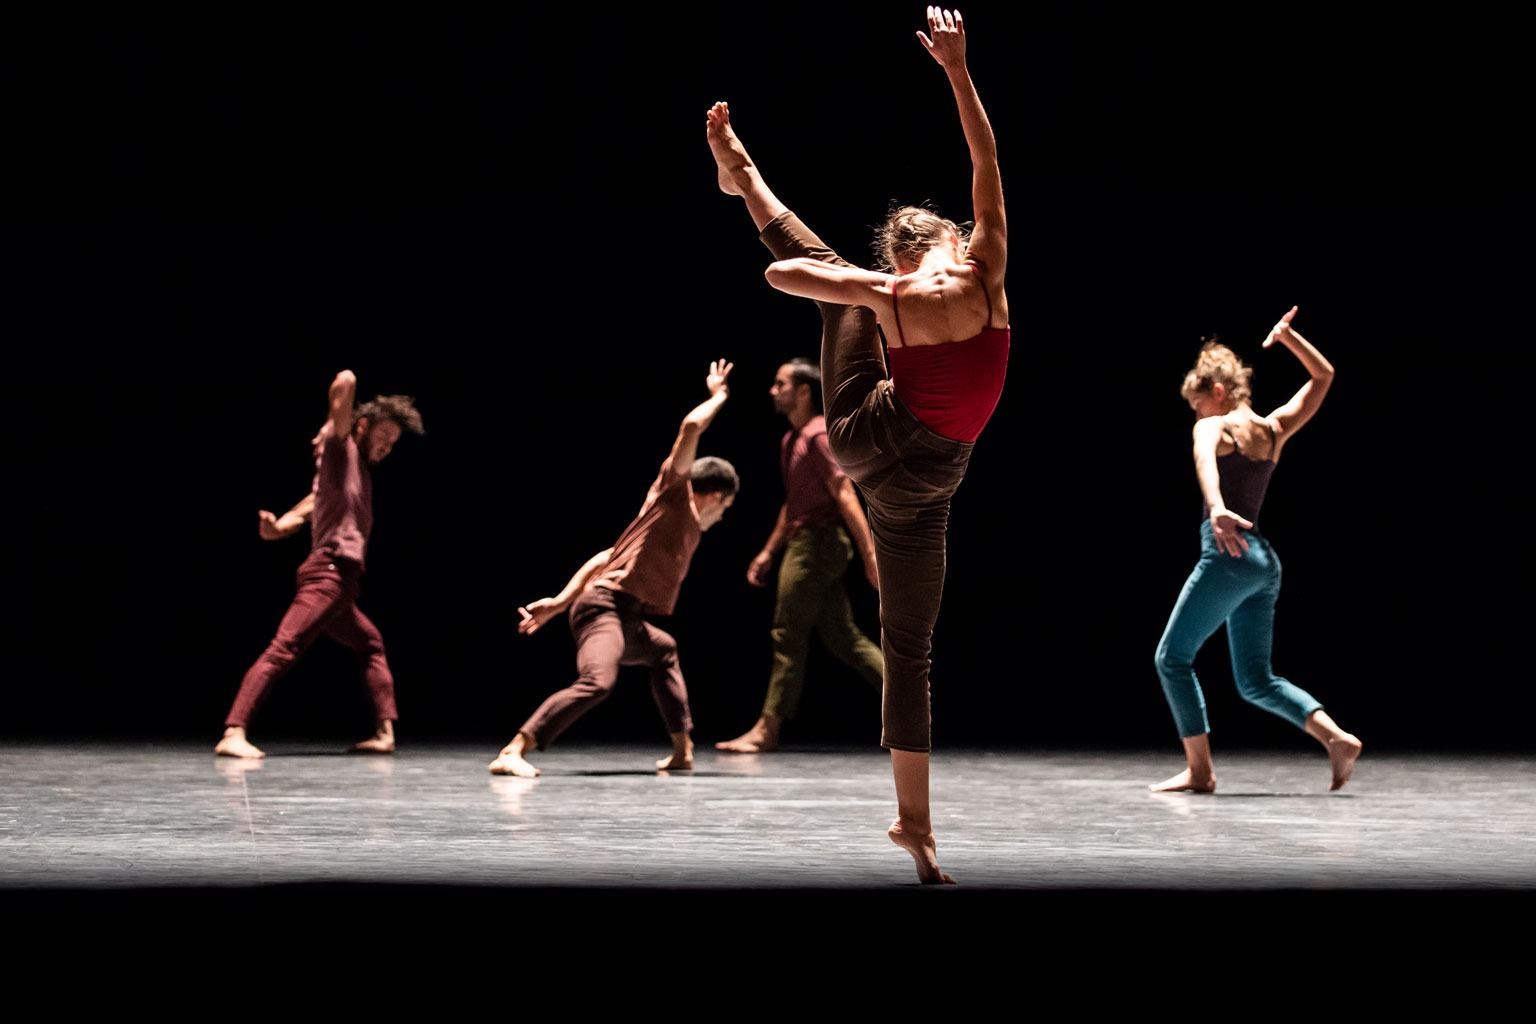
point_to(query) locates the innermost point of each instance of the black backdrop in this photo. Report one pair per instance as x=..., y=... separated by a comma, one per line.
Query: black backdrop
x=512, y=215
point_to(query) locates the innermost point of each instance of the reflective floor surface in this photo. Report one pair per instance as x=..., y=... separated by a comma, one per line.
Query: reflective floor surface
x=175, y=815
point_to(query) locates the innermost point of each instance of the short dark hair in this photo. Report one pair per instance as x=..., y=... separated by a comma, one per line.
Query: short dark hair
x=400, y=408
x=805, y=371
x=713, y=475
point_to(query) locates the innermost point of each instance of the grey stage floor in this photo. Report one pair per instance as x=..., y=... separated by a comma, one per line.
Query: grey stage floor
x=174, y=815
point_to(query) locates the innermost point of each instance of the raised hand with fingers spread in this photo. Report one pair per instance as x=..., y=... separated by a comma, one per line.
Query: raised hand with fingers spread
x=945, y=38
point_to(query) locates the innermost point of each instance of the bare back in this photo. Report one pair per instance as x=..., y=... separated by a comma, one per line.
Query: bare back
x=1246, y=432
x=945, y=303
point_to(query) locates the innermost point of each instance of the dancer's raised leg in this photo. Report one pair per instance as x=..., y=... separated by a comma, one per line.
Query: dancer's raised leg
x=737, y=174
x=913, y=828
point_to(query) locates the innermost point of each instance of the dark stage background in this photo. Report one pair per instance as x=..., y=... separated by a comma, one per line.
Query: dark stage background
x=512, y=215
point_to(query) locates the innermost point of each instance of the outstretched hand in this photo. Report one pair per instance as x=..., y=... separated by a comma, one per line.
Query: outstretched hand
x=536, y=614
x=1225, y=524
x=267, y=526
x=1282, y=329
x=719, y=370
x=946, y=44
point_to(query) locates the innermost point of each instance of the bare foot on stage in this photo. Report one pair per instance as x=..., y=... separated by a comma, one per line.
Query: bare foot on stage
x=682, y=755
x=1342, y=752
x=1186, y=782
x=762, y=738
x=509, y=763
x=924, y=852
x=234, y=744
x=381, y=742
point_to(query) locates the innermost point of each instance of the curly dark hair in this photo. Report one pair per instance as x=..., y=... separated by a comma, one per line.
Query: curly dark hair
x=400, y=408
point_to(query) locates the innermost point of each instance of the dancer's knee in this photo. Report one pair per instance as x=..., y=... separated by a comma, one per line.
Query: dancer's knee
x=282, y=652
x=597, y=684
x=1171, y=664
x=1258, y=687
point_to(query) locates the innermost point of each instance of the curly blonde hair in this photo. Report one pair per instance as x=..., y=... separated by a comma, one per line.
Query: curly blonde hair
x=1218, y=364
x=909, y=232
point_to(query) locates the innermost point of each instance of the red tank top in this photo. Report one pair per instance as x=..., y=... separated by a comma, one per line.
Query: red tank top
x=952, y=388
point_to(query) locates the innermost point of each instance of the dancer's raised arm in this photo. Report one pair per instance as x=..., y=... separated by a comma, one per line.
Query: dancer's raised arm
x=1293, y=415
x=342, y=399
x=945, y=42
x=686, y=447
x=832, y=282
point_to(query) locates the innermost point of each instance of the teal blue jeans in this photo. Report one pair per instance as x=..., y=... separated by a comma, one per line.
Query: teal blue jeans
x=1240, y=592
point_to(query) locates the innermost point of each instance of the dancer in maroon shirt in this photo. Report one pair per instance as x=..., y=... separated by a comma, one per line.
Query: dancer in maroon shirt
x=339, y=509
x=903, y=434
x=820, y=526
x=641, y=573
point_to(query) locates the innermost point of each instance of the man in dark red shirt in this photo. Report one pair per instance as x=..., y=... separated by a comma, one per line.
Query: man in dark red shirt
x=339, y=509
x=642, y=572
x=819, y=502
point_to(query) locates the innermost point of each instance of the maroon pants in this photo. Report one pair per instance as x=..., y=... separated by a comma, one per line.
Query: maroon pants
x=907, y=475
x=610, y=632
x=326, y=602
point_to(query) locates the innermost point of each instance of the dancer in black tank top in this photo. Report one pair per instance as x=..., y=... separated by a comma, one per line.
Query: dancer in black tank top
x=1237, y=579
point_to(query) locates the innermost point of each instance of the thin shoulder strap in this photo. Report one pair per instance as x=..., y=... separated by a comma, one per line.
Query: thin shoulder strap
x=896, y=312
x=1274, y=443
x=982, y=279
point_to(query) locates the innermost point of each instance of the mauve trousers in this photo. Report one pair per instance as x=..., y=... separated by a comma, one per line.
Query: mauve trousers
x=609, y=633
x=326, y=602
x=907, y=474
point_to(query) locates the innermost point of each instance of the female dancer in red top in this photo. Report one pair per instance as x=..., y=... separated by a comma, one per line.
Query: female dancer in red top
x=904, y=438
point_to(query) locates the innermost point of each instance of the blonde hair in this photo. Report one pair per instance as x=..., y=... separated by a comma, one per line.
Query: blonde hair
x=909, y=232
x=1218, y=364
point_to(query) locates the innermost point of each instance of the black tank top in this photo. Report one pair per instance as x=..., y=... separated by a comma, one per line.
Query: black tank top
x=1244, y=480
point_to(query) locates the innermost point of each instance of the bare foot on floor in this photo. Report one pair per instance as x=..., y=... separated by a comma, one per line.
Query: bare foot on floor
x=508, y=763
x=1342, y=752
x=924, y=852
x=676, y=762
x=1186, y=782
x=756, y=740
x=731, y=161
x=375, y=744
x=234, y=744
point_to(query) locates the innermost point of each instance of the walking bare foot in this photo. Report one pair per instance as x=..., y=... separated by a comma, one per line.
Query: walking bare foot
x=508, y=763
x=378, y=743
x=234, y=744
x=1186, y=782
x=1342, y=752
x=682, y=755
x=762, y=738
x=732, y=164
x=924, y=851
